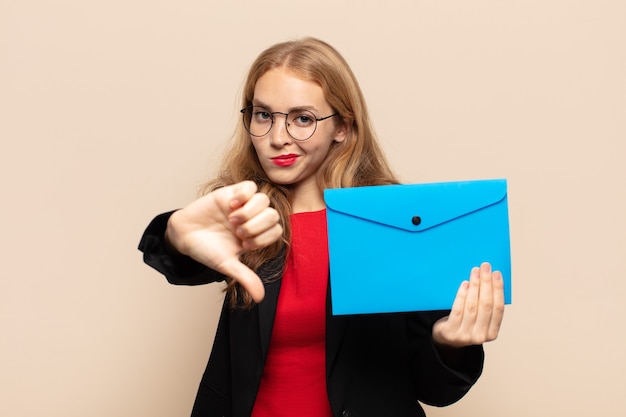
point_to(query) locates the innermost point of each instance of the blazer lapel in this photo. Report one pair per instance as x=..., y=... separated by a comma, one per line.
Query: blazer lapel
x=267, y=307
x=267, y=312
x=335, y=331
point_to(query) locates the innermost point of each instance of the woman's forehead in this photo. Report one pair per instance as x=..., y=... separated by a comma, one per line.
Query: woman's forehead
x=281, y=89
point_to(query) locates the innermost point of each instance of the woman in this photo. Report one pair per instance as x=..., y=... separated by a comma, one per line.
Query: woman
x=261, y=227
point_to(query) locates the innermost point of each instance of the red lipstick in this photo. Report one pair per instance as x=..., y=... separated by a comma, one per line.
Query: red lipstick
x=285, y=160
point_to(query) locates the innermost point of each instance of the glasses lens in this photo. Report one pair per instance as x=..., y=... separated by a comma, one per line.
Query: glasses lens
x=301, y=124
x=257, y=120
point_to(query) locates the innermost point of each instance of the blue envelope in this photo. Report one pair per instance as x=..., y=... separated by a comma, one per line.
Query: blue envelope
x=399, y=248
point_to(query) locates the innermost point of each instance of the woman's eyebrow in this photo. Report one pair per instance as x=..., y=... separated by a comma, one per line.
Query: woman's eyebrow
x=256, y=102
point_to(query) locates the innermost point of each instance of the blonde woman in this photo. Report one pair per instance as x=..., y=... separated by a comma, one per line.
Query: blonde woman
x=260, y=226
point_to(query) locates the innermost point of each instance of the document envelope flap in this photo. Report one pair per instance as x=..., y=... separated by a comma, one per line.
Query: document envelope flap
x=399, y=205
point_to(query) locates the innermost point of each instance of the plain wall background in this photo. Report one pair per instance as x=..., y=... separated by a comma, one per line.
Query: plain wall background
x=114, y=111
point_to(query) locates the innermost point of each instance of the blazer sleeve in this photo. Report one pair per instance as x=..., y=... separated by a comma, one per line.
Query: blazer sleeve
x=178, y=269
x=439, y=383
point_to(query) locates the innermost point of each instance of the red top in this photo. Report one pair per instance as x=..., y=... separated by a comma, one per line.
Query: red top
x=294, y=378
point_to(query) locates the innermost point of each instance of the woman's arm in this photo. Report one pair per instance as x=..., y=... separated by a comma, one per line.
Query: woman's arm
x=214, y=231
x=453, y=359
x=442, y=376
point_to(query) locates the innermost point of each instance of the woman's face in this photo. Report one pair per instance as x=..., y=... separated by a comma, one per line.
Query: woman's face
x=285, y=160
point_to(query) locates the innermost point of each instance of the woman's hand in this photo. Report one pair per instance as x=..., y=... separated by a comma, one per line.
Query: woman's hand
x=476, y=313
x=218, y=227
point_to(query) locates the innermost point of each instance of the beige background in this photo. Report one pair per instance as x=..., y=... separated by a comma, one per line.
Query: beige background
x=114, y=111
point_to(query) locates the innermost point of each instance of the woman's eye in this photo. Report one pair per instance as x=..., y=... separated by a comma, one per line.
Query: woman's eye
x=262, y=115
x=303, y=119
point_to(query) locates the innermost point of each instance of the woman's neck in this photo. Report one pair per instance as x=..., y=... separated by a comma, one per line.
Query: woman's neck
x=307, y=199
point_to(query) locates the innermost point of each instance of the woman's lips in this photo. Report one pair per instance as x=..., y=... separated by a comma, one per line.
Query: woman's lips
x=285, y=160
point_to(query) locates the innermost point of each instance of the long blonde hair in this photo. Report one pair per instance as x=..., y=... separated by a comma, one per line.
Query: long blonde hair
x=356, y=161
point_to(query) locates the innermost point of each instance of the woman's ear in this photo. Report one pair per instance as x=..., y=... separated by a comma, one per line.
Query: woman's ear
x=342, y=130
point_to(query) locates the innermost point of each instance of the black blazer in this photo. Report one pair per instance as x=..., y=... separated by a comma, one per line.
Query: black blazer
x=376, y=365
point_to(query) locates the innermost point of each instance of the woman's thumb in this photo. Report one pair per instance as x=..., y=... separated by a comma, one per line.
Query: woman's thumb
x=250, y=281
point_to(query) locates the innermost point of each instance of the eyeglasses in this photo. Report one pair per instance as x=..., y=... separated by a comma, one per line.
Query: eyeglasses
x=300, y=123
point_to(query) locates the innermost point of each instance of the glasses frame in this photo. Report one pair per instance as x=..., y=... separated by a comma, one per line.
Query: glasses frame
x=250, y=107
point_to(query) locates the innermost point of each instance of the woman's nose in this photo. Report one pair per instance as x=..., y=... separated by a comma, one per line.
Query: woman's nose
x=279, y=136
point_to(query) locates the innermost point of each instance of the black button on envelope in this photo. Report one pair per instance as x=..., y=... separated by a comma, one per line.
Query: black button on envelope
x=396, y=248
